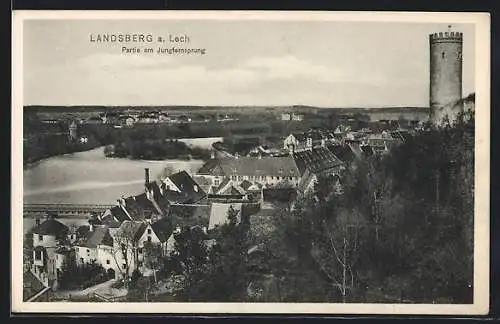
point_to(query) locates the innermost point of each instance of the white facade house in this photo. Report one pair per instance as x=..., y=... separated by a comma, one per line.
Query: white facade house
x=127, y=251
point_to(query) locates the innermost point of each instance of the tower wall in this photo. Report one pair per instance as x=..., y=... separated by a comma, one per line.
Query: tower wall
x=445, y=75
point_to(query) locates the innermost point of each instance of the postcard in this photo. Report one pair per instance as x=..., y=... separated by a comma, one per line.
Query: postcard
x=250, y=162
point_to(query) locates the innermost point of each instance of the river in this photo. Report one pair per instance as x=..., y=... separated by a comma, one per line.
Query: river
x=89, y=177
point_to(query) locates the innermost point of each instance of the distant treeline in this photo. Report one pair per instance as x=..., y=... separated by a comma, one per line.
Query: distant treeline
x=155, y=150
x=43, y=146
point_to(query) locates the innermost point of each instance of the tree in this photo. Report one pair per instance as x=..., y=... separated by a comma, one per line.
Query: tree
x=153, y=257
x=190, y=254
x=123, y=251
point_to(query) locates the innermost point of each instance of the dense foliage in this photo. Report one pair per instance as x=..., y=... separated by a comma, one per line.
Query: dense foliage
x=156, y=150
x=82, y=276
x=400, y=231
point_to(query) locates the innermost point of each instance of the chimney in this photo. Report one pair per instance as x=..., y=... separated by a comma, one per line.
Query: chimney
x=121, y=202
x=91, y=227
x=146, y=176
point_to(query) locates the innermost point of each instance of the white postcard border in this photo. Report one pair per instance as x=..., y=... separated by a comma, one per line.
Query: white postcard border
x=482, y=167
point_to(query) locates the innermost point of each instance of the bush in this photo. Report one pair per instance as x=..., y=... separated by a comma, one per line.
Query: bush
x=83, y=276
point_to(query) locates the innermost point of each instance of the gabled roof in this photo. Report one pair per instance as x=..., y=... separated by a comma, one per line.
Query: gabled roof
x=175, y=197
x=245, y=184
x=186, y=184
x=98, y=236
x=305, y=181
x=265, y=166
x=31, y=285
x=299, y=136
x=119, y=214
x=343, y=152
x=132, y=230
x=209, y=167
x=203, y=182
x=163, y=229
x=140, y=207
x=316, y=159
x=51, y=227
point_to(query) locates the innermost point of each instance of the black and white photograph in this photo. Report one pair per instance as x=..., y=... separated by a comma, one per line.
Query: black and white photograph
x=273, y=162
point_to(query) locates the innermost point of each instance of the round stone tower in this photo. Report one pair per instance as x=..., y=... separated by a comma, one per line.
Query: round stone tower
x=445, y=75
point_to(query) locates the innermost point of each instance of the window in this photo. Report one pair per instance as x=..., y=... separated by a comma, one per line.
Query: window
x=149, y=231
x=107, y=262
x=139, y=264
x=88, y=251
x=38, y=255
x=124, y=266
x=40, y=237
x=149, y=239
x=442, y=55
x=81, y=260
x=139, y=250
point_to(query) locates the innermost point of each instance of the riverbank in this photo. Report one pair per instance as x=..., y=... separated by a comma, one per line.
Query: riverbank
x=91, y=178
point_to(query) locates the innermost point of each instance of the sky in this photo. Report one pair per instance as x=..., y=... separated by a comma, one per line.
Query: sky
x=317, y=63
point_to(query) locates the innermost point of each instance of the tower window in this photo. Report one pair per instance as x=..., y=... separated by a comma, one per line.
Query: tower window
x=442, y=55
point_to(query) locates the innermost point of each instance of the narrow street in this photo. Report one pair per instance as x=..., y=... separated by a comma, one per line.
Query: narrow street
x=104, y=289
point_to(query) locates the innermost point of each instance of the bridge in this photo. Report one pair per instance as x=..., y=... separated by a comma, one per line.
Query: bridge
x=64, y=209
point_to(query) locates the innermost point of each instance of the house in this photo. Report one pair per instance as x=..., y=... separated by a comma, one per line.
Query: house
x=230, y=187
x=286, y=116
x=319, y=161
x=110, y=117
x=180, y=187
x=183, y=119
x=164, y=118
x=151, y=205
x=343, y=152
x=297, y=117
x=231, y=173
x=47, y=237
x=295, y=141
x=128, y=250
x=384, y=142
x=86, y=246
x=126, y=120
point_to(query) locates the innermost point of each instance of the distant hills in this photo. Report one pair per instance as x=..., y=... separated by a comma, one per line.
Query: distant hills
x=234, y=109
